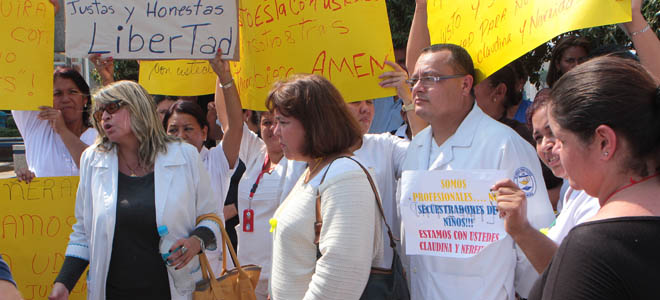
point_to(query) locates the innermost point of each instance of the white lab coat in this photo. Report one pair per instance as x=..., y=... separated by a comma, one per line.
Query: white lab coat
x=182, y=190
x=501, y=269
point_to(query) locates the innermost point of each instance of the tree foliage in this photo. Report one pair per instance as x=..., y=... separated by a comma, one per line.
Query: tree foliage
x=400, y=13
x=125, y=69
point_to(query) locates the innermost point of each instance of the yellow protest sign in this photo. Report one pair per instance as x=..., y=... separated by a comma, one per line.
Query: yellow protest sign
x=347, y=41
x=36, y=223
x=497, y=32
x=26, y=54
x=177, y=77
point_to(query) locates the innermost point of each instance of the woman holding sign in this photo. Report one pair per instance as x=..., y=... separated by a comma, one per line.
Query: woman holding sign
x=608, y=133
x=56, y=136
x=135, y=182
x=186, y=120
x=314, y=126
x=268, y=178
x=577, y=206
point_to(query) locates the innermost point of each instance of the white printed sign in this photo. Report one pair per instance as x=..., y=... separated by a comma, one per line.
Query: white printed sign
x=450, y=213
x=152, y=29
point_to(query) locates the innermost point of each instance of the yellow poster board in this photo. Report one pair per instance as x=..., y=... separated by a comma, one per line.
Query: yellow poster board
x=496, y=32
x=347, y=41
x=177, y=77
x=26, y=54
x=36, y=223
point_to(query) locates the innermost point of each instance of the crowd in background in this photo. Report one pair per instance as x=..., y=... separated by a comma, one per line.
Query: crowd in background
x=591, y=137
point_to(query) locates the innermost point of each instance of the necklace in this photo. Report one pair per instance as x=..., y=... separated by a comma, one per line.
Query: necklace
x=632, y=182
x=133, y=170
x=313, y=169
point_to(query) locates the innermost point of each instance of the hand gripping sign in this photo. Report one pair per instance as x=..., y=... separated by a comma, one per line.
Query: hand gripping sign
x=450, y=213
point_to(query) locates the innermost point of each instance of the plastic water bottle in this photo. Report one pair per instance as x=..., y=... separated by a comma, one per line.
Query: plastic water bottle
x=184, y=281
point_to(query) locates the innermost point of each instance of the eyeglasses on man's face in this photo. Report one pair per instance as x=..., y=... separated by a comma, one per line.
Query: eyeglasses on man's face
x=111, y=107
x=429, y=80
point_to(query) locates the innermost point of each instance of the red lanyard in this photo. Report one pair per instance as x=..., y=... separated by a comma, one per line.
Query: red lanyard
x=248, y=214
x=264, y=169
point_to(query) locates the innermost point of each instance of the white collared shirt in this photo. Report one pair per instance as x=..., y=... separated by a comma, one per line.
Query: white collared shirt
x=501, y=269
x=383, y=155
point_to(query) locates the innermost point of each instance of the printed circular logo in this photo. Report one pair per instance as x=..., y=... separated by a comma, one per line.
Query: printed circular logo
x=525, y=180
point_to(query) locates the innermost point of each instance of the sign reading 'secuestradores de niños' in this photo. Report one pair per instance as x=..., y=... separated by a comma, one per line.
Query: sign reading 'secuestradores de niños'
x=152, y=29
x=450, y=213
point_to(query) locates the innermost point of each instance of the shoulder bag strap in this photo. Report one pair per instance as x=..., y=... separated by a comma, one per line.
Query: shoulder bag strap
x=225, y=241
x=319, y=222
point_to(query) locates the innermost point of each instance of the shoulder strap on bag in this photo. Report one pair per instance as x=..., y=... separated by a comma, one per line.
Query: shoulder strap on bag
x=225, y=241
x=319, y=222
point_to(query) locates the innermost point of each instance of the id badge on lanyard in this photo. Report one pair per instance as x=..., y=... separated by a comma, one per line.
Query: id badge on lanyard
x=248, y=214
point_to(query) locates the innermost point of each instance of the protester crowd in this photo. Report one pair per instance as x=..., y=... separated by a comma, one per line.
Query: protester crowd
x=308, y=201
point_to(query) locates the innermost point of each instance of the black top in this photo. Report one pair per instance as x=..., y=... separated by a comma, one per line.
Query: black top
x=607, y=259
x=136, y=270
x=135, y=247
x=5, y=274
x=232, y=199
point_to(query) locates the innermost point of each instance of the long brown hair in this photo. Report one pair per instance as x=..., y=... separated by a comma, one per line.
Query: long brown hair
x=558, y=52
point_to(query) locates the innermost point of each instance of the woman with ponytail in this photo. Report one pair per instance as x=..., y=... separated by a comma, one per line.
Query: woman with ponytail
x=605, y=115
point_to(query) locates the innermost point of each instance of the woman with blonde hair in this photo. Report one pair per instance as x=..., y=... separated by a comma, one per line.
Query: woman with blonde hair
x=133, y=180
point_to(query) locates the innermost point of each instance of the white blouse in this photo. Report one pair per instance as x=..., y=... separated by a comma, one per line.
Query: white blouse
x=350, y=239
x=46, y=154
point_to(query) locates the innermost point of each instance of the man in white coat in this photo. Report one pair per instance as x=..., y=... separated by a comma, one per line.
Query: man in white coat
x=462, y=137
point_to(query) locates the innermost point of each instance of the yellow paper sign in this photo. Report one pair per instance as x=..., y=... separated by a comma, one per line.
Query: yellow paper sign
x=26, y=54
x=36, y=223
x=495, y=33
x=347, y=41
x=177, y=77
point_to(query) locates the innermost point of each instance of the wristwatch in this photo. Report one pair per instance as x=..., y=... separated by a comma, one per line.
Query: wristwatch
x=408, y=107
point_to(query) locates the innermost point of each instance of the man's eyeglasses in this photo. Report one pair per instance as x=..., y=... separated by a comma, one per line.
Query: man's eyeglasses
x=110, y=107
x=428, y=80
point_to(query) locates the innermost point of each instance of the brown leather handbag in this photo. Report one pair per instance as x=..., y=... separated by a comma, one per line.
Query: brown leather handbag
x=235, y=284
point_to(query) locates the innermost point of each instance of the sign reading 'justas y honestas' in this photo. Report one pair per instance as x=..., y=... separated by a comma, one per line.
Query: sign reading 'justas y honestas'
x=152, y=29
